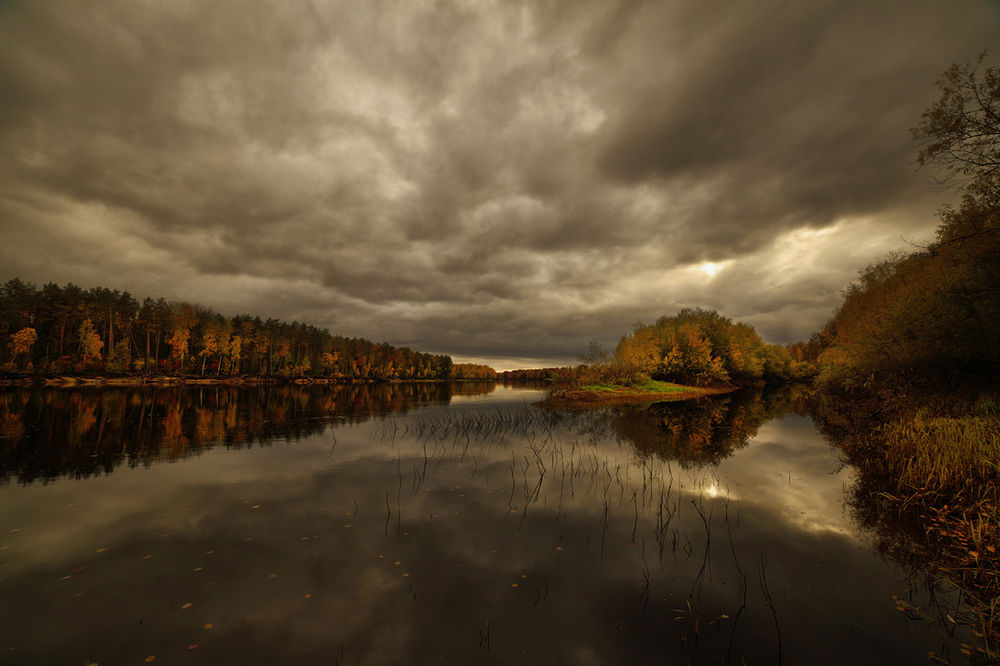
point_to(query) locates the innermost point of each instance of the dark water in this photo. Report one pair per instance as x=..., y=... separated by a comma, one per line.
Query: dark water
x=437, y=524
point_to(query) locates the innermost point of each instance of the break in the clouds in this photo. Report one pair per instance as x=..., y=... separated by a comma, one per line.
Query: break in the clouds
x=493, y=180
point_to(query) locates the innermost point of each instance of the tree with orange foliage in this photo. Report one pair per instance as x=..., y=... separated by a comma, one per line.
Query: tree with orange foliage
x=21, y=344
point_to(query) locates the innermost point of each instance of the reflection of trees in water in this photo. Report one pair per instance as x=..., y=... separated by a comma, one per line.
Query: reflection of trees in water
x=471, y=387
x=47, y=433
x=701, y=432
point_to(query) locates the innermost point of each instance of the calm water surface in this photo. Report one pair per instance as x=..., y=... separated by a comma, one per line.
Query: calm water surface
x=435, y=524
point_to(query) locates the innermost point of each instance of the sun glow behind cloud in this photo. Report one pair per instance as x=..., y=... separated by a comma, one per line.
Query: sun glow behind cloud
x=710, y=268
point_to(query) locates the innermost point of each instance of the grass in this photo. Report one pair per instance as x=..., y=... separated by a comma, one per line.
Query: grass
x=649, y=386
x=586, y=396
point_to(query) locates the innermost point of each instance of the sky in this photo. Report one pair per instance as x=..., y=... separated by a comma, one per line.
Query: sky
x=504, y=182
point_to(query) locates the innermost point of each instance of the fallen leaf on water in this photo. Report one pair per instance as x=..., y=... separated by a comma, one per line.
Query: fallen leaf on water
x=274, y=575
x=396, y=563
x=101, y=550
x=405, y=574
x=513, y=585
x=309, y=596
x=347, y=525
x=150, y=659
x=209, y=552
x=196, y=569
x=249, y=539
x=210, y=626
x=65, y=577
x=255, y=506
x=78, y=570
x=559, y=547
x=146, y=557
x=193, y=646
x=187, y=605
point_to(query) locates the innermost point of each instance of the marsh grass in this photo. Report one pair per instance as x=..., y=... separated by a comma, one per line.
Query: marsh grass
x=945, y=455
x=940, y=461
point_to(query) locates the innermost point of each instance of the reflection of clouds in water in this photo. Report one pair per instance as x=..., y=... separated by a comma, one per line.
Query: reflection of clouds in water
x=465, y=526
x=789, y=468
x=758, y=474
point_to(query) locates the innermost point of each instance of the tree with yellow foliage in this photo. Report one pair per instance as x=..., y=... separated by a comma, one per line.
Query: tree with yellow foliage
x=90, y=342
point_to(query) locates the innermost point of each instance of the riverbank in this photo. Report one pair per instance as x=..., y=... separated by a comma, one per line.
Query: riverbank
x=933, y=461
x=602, y=395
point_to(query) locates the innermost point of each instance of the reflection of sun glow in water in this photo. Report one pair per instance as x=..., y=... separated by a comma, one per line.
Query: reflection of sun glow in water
x=712, y=490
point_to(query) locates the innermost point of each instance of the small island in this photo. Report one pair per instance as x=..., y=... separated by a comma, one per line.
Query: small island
x=602, y=395
x=692, y=354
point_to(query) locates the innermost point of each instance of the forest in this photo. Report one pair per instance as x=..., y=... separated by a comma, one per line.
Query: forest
x=56, y=330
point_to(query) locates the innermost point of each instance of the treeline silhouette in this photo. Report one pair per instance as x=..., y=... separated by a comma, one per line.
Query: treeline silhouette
x=531, y=374
x=472, y=371
x=60, y=330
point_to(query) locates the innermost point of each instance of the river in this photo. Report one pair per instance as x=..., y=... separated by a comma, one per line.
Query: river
x=428, y=523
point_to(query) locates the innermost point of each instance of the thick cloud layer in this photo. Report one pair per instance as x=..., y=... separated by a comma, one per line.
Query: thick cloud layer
x=492, y=180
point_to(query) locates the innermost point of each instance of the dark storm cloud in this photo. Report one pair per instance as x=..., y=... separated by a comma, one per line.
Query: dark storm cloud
x=488, y=179
x=800, y=108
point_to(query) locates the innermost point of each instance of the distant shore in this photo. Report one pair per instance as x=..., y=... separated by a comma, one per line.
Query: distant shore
x=589, y=397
